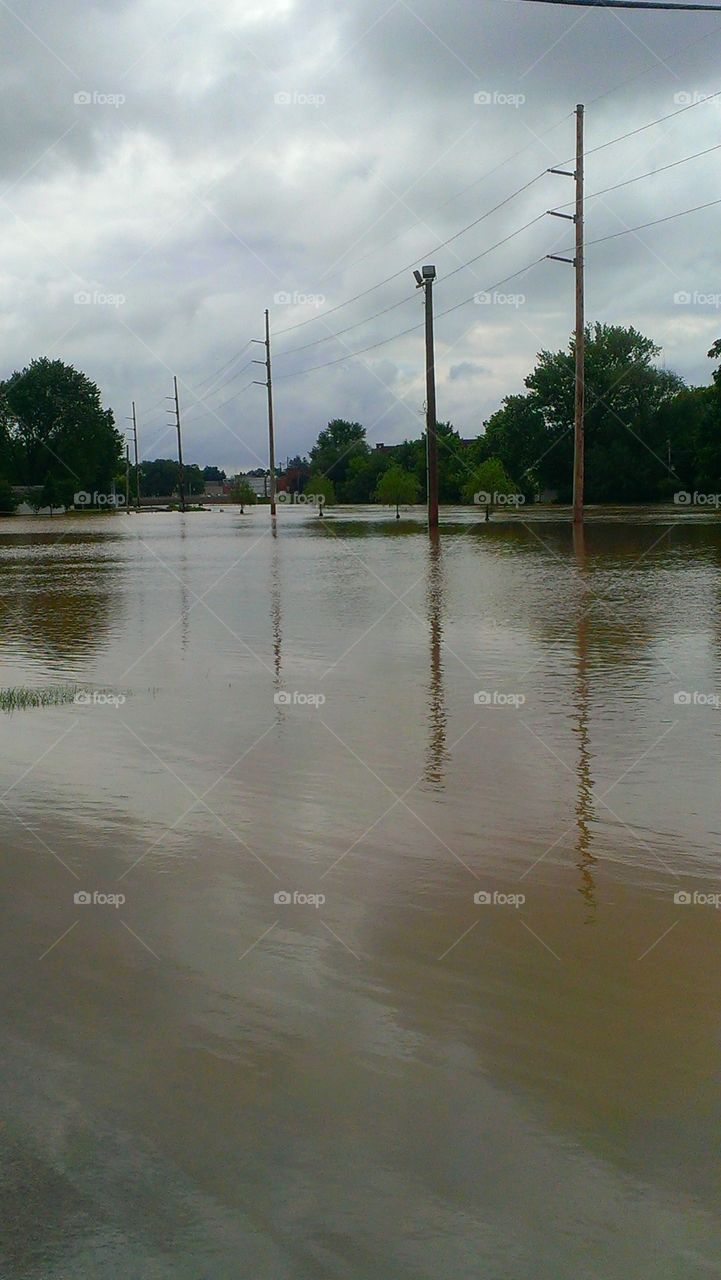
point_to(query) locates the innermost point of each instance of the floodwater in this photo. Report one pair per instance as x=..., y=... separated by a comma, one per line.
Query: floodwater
x=380, y=1077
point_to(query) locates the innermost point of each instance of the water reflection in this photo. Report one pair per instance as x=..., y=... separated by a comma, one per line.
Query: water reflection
x=275, y=610
x=437, y=714
x=581, y=701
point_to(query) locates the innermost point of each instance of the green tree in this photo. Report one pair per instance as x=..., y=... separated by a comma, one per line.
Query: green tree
x=8, y=501
x=396, y=486
x=336, y=445
x=242, y=493
x=488, y=482
x=61, y=435
x=159, y=479
x=322, y=488
x=364, y=472
x=516, y=435
x=625, y=452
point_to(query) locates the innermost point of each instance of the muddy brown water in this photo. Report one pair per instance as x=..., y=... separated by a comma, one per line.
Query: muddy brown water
x=299, y=1047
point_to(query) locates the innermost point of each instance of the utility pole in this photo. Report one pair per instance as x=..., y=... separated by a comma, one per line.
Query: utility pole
x=271, y=426
x=127, y=478
x=580, y=331
x=137, y=467
x=181, y=472
x=424, y=280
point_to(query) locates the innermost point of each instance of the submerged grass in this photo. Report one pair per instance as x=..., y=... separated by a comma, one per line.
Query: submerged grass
x=21, y=698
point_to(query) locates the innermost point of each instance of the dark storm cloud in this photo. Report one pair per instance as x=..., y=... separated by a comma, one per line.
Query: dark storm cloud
x=228, y=157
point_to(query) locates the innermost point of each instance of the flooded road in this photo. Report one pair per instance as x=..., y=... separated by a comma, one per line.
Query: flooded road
x=415, y=971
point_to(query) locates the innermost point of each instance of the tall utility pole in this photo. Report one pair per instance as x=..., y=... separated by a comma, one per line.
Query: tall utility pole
x=424, y=280
x=137, y=467
x=127, y=478
x=181, y=472
x=271, y=427
x=580, y=332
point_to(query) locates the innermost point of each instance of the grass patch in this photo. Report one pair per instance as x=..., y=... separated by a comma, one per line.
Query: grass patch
x=52, y=695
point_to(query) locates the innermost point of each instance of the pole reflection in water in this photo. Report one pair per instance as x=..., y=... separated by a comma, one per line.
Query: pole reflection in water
x=437, y=714
x=275, y=611
x=581, y=701
x=184, y=592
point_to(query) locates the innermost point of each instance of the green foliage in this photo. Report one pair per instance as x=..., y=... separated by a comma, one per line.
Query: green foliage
x=321, y=487
x=487, y=482
x=8, y=501
x=56, y=430
x=159, y=479
x=242, y=493
x=396, y=486
x=335, y=448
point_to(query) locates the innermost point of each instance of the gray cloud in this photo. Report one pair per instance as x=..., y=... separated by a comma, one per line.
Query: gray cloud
x=199, y=198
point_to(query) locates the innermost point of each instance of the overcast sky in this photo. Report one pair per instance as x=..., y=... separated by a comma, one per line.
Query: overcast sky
x=235, y=154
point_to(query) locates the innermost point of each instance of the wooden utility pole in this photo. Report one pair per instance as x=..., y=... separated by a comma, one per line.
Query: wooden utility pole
x=271, y=426
x=181, y=472
x=580, y=332
x=578, y=432
x=127, y=478
x=424, y=280
x=137, y=467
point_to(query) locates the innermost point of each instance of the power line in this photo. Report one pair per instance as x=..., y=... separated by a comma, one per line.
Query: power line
x=656, y=222
x=629, y=4
x=418, y=257
x=410, y=297
x=384, y=341
x=651, y=174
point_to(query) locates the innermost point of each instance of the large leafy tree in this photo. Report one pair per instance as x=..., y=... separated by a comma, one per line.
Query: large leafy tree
x=60, y=435
x=625, y=451
x=336, y=446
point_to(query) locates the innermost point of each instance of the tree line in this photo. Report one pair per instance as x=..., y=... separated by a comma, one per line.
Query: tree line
x=648, y=436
